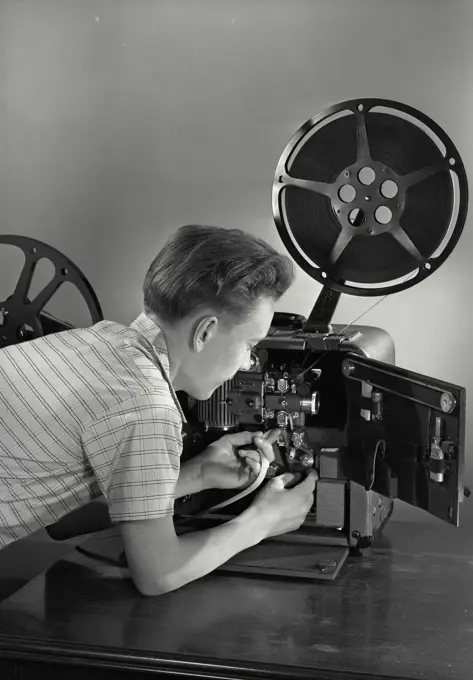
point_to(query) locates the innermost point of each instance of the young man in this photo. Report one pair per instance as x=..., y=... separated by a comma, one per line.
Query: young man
x=92, y=412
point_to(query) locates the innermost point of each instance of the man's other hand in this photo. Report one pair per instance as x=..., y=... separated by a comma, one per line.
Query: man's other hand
x=234, y=461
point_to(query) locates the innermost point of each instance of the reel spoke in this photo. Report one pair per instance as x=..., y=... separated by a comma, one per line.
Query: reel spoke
x=309, y=185
x=418, y=176
x=405, y=241
x=341, y=243
x=362, y=144
x=42, y=299
x=22, y=287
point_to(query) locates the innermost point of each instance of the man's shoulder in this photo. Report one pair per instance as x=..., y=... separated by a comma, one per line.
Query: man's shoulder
x=105, y=331
x=114, y=347
x=109, y=362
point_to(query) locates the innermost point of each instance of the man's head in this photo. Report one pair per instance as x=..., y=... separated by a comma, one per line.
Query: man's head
x=213, y=290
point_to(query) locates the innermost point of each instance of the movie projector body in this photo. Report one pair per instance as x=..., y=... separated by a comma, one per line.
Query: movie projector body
x=369, y=198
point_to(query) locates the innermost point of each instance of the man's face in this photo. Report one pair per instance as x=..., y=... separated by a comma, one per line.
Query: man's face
x=227, y=350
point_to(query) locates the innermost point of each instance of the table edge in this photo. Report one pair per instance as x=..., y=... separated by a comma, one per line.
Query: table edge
x=16, y=649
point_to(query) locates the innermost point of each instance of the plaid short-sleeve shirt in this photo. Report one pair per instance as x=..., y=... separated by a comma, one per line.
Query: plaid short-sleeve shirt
x=87, y=412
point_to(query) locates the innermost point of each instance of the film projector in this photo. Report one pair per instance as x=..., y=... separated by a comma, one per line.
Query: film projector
x=369, y=197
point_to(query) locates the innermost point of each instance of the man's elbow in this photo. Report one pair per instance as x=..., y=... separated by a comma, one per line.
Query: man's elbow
x=148, y=589
x=152, y=587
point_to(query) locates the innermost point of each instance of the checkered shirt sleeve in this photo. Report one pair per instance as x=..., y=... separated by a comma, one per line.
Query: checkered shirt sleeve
x=134, y=452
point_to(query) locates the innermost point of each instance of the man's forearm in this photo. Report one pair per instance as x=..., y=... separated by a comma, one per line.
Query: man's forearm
x=203, y=551
x=191, y=556
x=190, y=478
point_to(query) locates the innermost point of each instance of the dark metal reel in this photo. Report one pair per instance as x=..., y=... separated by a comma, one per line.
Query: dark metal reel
x=342, y=240
x=21, y=318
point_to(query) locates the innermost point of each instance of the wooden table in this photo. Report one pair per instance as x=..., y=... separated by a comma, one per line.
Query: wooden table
x=403, y=610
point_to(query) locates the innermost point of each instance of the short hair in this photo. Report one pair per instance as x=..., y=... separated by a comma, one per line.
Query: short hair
x=228, y=270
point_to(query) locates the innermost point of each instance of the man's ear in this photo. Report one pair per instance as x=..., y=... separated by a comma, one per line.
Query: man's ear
x=205, y=330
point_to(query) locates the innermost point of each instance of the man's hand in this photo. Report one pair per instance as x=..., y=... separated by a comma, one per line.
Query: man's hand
x=233, y=462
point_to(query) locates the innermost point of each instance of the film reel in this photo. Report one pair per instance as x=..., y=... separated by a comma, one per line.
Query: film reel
x=23, y=319
x=370, y=197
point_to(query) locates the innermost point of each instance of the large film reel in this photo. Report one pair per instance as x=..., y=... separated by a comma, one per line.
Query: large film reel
x=370, y=197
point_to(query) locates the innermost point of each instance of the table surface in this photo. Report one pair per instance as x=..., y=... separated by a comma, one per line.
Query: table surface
x=404, y=609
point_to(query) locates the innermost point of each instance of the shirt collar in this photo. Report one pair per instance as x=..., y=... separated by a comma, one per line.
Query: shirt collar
x=153, y=334
x=148, y=328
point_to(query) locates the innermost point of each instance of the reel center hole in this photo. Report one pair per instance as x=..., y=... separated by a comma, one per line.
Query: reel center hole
x=25, y=332
x=356, y=217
